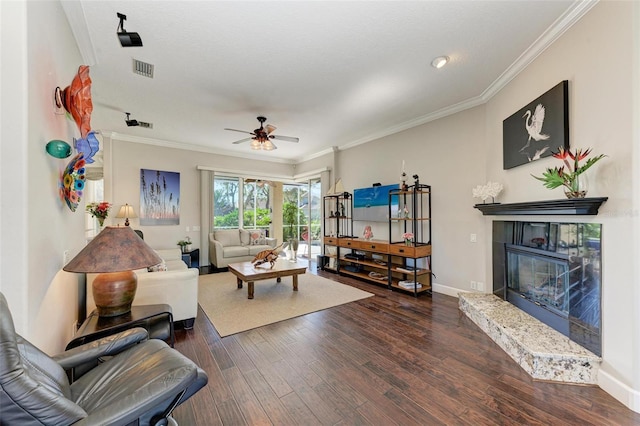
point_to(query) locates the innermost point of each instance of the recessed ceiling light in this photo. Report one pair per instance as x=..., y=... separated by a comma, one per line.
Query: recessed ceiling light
x=440, y=61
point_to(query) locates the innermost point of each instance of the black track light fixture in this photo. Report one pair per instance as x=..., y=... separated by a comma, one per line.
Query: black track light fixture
x=131, y=123
x=127, y=39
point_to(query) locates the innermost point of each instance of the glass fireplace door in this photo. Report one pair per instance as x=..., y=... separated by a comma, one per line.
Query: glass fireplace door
x=543, y=280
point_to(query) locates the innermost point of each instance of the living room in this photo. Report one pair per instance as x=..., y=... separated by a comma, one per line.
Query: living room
x=598, y=55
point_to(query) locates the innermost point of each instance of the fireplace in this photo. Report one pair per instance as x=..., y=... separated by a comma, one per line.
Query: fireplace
x=552, y=271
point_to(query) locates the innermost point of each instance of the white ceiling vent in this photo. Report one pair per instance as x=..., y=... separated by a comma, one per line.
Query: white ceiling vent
x=143, y=68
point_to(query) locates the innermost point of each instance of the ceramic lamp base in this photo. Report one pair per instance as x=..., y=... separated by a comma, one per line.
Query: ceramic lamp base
x=113, y=292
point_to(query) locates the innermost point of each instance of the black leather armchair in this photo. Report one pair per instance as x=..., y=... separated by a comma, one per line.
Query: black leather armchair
x=136, y=382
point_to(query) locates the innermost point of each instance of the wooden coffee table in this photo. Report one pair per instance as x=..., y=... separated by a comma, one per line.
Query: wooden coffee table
x=245, y=271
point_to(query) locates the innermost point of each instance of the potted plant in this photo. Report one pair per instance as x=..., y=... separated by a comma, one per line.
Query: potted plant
x=185, y=245
x=290, y=216
x=572, y=177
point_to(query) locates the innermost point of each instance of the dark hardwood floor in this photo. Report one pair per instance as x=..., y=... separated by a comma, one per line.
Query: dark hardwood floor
x=389, y=359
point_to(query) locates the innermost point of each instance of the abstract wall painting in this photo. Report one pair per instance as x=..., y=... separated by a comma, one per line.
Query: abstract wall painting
x=538, y=129
x=159, y=197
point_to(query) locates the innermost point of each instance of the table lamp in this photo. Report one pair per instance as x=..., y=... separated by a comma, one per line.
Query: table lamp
x=113, y=254
x=127, y=212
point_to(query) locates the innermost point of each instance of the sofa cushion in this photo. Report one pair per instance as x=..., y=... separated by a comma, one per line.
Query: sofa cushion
x=245, y=237
x=227, y=237
x=158, y=268
x=258, y=237
x=255, y=249
x=235, y=251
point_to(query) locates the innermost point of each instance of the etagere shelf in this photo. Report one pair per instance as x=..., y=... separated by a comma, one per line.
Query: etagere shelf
x=338, y=224
x=392, y=263
x=410, y=258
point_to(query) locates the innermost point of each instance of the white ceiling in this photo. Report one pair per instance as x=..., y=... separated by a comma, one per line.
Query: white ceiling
x=331, y=73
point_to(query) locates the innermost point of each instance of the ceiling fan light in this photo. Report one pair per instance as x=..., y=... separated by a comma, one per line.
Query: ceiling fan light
x=268, y=146
x=440, y=62
x=255, y=144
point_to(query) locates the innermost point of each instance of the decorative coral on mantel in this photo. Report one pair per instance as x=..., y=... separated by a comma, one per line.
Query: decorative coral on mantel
x=491, y=189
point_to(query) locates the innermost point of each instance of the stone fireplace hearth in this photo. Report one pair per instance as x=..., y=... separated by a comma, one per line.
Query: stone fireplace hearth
x=540, y=350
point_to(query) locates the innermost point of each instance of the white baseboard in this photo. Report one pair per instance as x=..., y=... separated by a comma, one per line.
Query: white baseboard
x=445, y=289
x=625, y=394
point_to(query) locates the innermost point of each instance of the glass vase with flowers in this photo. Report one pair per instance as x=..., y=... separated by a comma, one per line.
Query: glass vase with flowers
x=571, y=177
x=99, y=210
x=408, y=239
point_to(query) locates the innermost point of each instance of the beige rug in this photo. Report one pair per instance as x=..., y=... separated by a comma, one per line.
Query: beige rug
x=231, y=312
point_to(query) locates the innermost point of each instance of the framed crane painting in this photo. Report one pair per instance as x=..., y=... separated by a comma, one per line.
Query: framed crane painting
x=538, y=129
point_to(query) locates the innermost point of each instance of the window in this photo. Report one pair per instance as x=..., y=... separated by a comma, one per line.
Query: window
x=293, y=215
x=226, y=194
x=254, y=208
x=93, y=193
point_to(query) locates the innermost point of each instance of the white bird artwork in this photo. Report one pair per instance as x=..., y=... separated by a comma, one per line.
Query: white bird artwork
x=538, y=154
x=533, y=124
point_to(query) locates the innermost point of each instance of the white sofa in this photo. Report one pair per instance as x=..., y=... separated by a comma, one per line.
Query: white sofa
x=236, y=245
x=176, y=287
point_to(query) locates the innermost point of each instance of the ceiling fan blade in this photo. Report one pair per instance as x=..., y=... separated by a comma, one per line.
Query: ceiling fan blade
x=285, y=138
x=241, y=131
x=270, y=128
x=242, y=140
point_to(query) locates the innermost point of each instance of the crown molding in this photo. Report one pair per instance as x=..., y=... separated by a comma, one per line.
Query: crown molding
x=555, y=30
x=190, y=147
x=78, y=23
x=559, y=27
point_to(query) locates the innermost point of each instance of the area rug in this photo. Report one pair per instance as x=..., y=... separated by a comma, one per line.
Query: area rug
x=230, y=311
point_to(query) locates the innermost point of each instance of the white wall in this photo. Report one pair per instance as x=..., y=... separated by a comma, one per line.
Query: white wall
x=36, y=226
x=447, y=154
x=122, y=184
x=595, y=55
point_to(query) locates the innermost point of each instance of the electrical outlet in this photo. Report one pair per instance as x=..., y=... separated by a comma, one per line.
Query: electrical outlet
x=474, y=285
x=473, y=238
x=480, y=286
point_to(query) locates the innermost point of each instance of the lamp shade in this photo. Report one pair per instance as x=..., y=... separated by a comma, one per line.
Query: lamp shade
x=126, y=211
x=114, y=249
x=114, y=253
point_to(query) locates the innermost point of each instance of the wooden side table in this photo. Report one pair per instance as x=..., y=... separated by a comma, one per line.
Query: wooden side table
x=156, y=319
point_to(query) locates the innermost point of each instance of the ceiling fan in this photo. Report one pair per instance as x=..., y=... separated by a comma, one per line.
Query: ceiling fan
x=261, y=138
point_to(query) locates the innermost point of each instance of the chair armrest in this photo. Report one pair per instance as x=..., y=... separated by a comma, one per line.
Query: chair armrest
x=215, y=250
x=110, y=345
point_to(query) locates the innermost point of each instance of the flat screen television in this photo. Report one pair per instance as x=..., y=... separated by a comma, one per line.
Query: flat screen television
x=372, y=204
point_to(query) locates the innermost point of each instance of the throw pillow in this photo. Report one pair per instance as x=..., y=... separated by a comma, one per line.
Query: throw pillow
x=158, y=268
x=258, y=238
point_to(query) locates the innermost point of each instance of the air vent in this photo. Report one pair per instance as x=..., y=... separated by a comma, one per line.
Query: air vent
x=145, y=124
x=143, y=68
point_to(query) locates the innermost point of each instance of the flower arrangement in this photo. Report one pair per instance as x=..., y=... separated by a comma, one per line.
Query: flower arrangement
x=184, y=244
x=491, y=189
x=408, y=238
x=569, y=178
x=99, y=210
